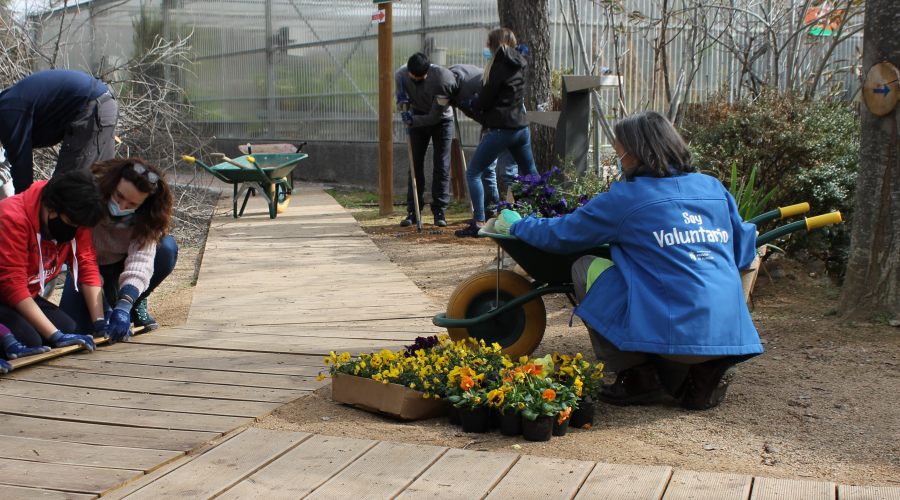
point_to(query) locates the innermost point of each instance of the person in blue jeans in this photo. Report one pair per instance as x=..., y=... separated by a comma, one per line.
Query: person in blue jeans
x=500, y=108
x=133, y=252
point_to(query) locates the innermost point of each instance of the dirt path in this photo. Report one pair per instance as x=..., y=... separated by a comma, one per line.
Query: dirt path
x=821, y=403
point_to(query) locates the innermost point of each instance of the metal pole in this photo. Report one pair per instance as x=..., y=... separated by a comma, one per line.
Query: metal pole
x=270, y=72
x=462, y=159
x=385, y=112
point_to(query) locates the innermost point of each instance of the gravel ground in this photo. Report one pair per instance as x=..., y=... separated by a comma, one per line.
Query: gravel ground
x=821, y=403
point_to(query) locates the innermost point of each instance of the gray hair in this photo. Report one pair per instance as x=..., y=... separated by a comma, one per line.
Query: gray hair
x=658, y=148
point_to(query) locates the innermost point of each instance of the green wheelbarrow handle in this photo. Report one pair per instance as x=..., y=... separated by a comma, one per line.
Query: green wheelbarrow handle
x=781, y=213
x=809, y=224
x=443, y=321
x=213, y=172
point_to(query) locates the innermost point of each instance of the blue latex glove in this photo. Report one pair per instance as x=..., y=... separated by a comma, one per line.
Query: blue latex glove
x=5, y=367
x=523, y=49
x=407, y=118
x=467, y=104
x=120, y=322
x=506, y=219
x=60, y=339
x=402, y=97
x=15, y=349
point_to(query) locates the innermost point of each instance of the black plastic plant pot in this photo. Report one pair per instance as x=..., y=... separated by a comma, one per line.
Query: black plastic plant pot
x=474, y=419
x=560, y=429
x=510, y=422
x=583, y=416
x=539, y=429
x=453, y=414
x=495, y=418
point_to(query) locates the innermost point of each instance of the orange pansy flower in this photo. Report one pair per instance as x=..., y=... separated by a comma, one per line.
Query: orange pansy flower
x=467, y=383
x=549, y=395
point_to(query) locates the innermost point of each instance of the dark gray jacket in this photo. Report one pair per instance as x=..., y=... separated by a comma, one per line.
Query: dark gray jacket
x=501, y=103
x=469, y=84
x=429, y=101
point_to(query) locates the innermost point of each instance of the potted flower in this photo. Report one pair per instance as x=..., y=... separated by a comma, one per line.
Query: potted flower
x=584, y=380
x=505, y=398
x=466, y=392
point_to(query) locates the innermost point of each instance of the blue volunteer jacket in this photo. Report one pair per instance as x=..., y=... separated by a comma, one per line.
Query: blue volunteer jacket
x=677, y=243
x=35, y=111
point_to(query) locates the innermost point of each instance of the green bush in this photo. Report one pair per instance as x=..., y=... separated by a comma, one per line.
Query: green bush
x=809, y=149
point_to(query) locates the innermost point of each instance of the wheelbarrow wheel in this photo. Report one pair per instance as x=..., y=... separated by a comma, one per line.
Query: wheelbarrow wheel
x=281, y=195
x=518, y=331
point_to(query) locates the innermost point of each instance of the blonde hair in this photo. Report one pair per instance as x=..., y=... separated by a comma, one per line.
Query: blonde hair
x=499, y=39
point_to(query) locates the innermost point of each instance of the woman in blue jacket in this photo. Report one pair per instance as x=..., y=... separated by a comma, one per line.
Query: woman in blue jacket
x=667, y=314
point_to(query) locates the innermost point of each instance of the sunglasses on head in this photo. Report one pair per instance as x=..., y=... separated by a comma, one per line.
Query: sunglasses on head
x=142, y=170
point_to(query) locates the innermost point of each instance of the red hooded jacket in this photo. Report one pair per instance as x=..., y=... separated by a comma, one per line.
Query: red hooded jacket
x=22, y=274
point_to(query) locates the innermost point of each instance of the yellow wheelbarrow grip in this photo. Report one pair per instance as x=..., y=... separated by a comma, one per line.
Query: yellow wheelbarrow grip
x=792, y=210
x=189, y=158
x=823, y=220
x=251, y=159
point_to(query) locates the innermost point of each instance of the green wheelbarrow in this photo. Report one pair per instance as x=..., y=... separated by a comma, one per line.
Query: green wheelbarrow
x=507, y=308
x=269, y=175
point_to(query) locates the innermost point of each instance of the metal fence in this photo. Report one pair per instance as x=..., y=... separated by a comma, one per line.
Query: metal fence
x=307, y=69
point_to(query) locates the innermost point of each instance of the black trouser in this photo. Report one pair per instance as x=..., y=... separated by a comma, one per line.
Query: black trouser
x=22, y=329
x=440, y=136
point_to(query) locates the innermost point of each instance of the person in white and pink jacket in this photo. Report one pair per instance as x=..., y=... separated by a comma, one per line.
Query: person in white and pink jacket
x=134, y=253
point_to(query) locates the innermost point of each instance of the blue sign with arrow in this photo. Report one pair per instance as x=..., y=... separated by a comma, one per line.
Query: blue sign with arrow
x=884, y=90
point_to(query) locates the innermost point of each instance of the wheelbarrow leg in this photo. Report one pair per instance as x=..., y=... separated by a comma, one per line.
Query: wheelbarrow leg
x=244, y=205
x=273, y=201
x=234, y=199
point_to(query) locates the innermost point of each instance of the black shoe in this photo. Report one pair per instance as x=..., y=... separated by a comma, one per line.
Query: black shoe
x=439, y=219
x=141, y=318
x=707, y=383
x=409, y=220
x=641, y=384
x=471, y=231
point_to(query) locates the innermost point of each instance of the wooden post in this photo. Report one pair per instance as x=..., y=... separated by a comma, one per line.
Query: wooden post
x=386, y=112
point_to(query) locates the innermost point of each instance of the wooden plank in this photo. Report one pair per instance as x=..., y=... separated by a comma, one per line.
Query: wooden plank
x=692, y=485
x=110, y=457
x=301, y=470
x=62, y=477
x=123, y=490
x=102, y=397
x=534, y=478
x=166, y=388
x=51, y=354
x=625, y=482
x=206, y=359
x=19, y=493
x=289, y=382
x=767, y=488
x=461, y=474
x=383, y=472
x=218, y=469
x=242, y=346
x=868, y=493
x=71, y=412
x=105, y=435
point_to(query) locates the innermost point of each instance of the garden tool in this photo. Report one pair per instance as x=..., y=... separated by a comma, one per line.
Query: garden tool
x=412, y=168
x=220, y=156
x=462, y=158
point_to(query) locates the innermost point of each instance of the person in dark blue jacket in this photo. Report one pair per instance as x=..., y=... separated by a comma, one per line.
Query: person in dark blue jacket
x=667, y=313
x=53, y=107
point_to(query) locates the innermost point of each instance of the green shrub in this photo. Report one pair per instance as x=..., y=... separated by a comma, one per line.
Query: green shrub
x=809, y=149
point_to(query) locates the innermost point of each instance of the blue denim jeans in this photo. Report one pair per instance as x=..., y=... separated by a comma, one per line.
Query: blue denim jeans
x=504, y=168
x=72, y=303
x=495, y=142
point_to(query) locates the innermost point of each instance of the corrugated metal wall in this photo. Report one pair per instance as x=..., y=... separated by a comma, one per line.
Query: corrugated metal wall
x=315, y=77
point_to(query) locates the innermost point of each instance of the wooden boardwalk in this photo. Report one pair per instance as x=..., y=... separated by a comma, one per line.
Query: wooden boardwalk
x=272, y=297
x=166, y=416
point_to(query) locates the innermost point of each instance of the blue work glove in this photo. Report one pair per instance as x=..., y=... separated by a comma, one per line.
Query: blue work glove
x=120, y=322
x=60, y=339
x=467, y=104
x=407, y=118
x=506, y=219
x=15, y=349
x=100, y=328
x=402, y=97
x=5, y=367
x=523, y=49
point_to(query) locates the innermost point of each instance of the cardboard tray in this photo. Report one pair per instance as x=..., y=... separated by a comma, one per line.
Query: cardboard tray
x=391, y=400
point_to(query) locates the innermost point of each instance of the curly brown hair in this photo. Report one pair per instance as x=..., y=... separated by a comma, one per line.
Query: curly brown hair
x=151, y=219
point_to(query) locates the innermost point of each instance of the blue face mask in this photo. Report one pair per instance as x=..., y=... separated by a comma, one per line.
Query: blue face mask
x=487, y=53
x=619, y=164
x=115, y=211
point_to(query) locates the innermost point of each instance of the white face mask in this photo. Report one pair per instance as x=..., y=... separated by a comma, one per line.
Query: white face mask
x=619, y=164
x=115, y=211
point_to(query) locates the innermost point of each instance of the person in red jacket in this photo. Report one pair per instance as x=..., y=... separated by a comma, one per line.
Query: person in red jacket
x=40, y=229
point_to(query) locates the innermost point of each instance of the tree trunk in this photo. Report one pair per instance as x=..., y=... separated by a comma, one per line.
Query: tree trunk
x=529, y=20
x=872, y=284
